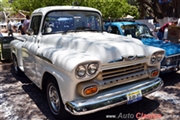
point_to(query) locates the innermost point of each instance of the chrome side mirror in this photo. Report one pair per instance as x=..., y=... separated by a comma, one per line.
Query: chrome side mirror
x=48, y=30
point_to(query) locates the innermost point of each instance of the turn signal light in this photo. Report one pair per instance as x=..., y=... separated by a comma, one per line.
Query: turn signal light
x=154, y=73
x=90, y=90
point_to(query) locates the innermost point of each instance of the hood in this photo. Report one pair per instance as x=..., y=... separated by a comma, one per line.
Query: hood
x=169, y=47
x=103, y=46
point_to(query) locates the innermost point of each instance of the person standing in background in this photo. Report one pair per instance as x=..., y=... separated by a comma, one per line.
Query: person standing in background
x=9, y=28
x=26, y=23
x=20, y=28
x=160, y=33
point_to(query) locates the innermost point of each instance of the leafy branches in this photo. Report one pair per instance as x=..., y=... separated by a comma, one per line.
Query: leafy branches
x=109, y=8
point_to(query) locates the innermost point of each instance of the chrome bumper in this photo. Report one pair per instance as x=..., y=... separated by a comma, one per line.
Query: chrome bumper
x=111, y=98
x=168, y=68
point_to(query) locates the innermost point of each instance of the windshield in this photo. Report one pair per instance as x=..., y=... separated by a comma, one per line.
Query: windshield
x=136, y=31
x=63, y=21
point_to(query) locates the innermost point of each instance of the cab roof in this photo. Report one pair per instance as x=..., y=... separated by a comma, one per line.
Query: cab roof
x=122, y=23
x=45, y=10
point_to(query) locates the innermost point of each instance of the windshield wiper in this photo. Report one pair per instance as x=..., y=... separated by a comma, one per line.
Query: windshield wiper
x=86, y=29
x=64, y=32
x=90, y=29
x=80, y=30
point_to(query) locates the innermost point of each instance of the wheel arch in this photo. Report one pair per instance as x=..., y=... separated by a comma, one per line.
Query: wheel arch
x=45, y=77
x=15, y=52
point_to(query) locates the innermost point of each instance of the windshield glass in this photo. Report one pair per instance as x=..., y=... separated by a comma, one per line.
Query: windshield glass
x=136, y=31
x=62, y=21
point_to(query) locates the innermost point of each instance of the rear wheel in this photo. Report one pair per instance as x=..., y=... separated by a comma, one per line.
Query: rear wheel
x=15, y=66
x=54, y=100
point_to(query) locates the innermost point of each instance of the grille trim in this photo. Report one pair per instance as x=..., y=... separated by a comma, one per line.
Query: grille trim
x=120, y=71
x=174, y=59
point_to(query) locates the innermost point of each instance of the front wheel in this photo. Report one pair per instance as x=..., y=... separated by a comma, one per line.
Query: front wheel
x=54, y=100
x=178, y=65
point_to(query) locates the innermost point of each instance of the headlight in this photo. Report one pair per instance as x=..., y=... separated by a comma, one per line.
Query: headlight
x=157, y=57
x=153, y=59
x=81, y=71
x=87, y=70
x=92, y=68
x=168, y=61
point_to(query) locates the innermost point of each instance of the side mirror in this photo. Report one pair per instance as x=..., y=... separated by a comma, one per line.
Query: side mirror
x=30, y=31
x=48, y=30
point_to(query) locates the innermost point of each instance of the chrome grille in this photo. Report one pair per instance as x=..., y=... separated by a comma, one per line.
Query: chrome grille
x=120, y=71
x=174, y=60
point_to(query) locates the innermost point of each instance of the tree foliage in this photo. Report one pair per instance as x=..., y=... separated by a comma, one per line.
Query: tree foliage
x=114, y=8
x=4, y=4
x=109, y=8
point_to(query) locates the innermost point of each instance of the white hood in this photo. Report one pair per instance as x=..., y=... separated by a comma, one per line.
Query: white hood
x=104, y=46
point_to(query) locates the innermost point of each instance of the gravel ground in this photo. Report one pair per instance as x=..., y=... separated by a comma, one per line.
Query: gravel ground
x=20, y=99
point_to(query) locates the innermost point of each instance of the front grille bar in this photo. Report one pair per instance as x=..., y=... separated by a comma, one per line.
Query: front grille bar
x=111, y=73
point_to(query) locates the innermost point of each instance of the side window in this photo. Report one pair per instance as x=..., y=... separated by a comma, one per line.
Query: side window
x=129, y=30
x=114, y=30
x=35, y=24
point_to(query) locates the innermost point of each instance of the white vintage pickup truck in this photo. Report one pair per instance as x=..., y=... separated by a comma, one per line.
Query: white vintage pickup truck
x=81, y=68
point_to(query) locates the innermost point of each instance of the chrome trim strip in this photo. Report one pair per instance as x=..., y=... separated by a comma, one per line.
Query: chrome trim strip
x=46, y=59
x=41, y=57
x=87, y=106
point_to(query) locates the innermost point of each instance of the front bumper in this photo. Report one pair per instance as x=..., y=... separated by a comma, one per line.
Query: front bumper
x=112, y=97
x=165, y=69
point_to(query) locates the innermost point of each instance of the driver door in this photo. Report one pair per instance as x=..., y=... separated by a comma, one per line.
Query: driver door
x=29, y=49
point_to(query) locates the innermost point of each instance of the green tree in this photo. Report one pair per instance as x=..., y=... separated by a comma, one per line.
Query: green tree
x=4, y=4
x=113, y=8
x=31, y=5
x=109, y=8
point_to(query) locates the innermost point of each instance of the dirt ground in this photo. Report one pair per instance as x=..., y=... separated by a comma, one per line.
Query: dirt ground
x=20, y=99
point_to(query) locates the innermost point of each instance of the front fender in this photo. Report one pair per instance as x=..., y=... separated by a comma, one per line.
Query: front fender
x=66, y=85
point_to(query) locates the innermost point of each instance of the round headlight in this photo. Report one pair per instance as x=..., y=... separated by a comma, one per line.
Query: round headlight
x=81, y=71
x=92, y=68
x=159, y=56
x=153, y=58
x=168, y=61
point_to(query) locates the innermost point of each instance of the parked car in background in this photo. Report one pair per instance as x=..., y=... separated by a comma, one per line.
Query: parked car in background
x=130, y=28
x=81, y=68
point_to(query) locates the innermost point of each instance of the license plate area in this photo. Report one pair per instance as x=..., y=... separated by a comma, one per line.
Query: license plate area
x=134, y=96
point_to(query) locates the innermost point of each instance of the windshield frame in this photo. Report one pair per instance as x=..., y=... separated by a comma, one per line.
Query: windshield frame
x=96, y=14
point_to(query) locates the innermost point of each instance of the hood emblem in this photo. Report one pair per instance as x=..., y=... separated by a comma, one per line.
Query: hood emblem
x=116, y=60
x=127, y=58
x=131, y=57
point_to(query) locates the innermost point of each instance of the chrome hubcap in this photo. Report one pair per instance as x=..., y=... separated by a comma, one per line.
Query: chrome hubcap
x=54, y=99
